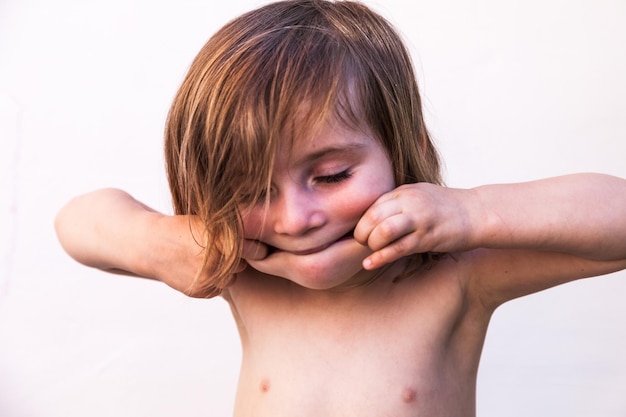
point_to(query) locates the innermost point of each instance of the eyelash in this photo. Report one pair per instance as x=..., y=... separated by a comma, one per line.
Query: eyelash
x=323, y=179
x=335, y=178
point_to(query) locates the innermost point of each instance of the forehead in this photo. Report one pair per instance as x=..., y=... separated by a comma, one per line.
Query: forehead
x=331, y=138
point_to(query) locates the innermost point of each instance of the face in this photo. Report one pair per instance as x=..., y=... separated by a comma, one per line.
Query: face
x=320, y=189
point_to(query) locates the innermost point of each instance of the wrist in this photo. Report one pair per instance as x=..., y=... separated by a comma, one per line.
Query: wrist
x=485, y=226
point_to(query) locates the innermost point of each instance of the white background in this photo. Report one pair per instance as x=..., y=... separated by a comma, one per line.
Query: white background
x=514, y=90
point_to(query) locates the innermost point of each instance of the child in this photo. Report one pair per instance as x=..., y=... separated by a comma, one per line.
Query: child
x=308, y=195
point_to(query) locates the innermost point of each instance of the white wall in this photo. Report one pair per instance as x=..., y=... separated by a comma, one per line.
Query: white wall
x=514, y=90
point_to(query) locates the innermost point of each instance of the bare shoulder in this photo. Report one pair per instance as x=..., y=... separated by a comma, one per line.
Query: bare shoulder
x=495, y=276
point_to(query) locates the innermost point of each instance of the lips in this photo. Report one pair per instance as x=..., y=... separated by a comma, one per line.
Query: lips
x=310, y=251
x=273, y=249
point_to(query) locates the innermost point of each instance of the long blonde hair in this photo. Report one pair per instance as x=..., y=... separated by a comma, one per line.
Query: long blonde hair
x=285, y=67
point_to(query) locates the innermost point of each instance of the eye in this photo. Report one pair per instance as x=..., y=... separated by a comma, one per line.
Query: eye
x=334, y=178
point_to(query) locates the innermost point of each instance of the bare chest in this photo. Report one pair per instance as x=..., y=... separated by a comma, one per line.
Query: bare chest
x=355, y=359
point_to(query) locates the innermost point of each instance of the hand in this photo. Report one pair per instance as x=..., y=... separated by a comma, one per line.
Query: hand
x=178, y=256
x=253, y=250
x=415, y=218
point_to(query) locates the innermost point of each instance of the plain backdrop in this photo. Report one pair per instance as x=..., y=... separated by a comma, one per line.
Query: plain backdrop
x=514, y=90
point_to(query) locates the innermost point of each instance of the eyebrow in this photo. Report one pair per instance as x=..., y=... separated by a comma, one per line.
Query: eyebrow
x=332, y=150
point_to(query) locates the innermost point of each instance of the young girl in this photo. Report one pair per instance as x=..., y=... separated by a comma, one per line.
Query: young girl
x=308, y=195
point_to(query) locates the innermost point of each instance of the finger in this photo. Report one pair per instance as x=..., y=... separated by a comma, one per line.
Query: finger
x=374, y=216
x=390, y=230
x=241, y=266
x=391, y=253
x=254, y=250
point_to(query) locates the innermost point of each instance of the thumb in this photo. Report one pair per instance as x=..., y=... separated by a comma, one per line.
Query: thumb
x=254, y=250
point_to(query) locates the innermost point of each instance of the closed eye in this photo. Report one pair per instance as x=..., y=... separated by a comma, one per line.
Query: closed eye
x=335, y=178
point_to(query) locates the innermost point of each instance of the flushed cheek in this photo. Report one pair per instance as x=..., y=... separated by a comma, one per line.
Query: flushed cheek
x=352, y=206
x=253, y=224
x=349, y=212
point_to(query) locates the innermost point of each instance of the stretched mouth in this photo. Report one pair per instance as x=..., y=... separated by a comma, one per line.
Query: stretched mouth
x=272, y=249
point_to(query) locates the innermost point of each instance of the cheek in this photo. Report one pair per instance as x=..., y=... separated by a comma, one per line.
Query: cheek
x=253, y=222
x=350, y=206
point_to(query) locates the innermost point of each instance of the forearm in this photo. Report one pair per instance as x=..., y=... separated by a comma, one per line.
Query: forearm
x=110, y=230
x=582, y=214
x=103, y=229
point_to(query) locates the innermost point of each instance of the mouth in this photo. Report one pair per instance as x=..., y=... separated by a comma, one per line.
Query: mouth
x=274, y=249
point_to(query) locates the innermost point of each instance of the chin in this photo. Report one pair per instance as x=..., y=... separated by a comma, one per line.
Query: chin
x=321, y=277
x=323, y=270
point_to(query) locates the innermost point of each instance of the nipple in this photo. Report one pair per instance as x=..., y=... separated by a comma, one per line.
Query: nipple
x=409, y=395
x=265, y=385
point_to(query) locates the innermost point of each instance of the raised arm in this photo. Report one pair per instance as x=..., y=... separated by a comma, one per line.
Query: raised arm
x=581, y=214
x=519, y=238
x=110, y=230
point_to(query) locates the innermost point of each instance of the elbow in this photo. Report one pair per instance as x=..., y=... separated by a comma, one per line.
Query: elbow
x=63, y=230
x=60, y=226
x=69, y=230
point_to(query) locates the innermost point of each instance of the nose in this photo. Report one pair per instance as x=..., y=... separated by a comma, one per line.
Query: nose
x=297, y=212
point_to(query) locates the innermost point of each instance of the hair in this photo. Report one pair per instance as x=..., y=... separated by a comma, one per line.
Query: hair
x=279, y=71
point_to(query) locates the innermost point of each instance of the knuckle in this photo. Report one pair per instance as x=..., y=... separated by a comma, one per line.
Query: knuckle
x=373, y=216
x=387, y=231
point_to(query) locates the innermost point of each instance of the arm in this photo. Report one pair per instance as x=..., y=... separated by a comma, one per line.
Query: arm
x=110, y=230
x=583, y=215
x=523, y=237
